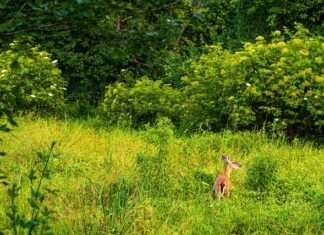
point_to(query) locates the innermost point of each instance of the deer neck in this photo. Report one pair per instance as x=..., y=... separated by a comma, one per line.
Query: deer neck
x=228, y=171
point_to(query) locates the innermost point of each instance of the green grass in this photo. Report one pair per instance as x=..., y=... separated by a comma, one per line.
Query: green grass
x=120, y=181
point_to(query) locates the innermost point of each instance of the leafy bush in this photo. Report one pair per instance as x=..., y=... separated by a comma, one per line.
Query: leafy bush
x=277, y=84
x=143, y=102
x=30, y=80
x=261, y=173
x=281, y=81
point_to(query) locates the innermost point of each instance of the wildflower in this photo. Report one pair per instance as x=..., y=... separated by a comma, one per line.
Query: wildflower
x=4, y=71
x=319, y=78
x=304, y=52
x=296, y=41
x=33, y=96
x=276, y=119
x=231, y=98
x=315, y=96
x=248, y=46
x=195, y=83
x=259, y=38
x=54, y=61
x=308, y=70
x=11, y=44
x=283, y=59
x=305, y=98
x=234, y=63
x=185, y=79
x=318, y=60
x=284, y=51
x=248, y=84
x=242, y=58
x=276, y=33
x=63, y=88
x=53, y=87
x=50, y=94
x=281, y=44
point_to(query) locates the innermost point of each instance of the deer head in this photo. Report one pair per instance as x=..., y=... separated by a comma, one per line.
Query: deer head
x=230, y=163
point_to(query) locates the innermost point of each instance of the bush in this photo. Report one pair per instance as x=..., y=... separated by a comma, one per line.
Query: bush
x=261, y=173
x=278, y=82
x=30, y=80
x=141, y=103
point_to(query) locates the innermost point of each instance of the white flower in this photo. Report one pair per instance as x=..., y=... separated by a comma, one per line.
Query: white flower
x=63, y=88
x=248, y=84
x=53, y=87
x=50, y=94
x=54, y=61
x=4, y=71
x=315, y=96
x=305, y=98
x=276, y=119
x=11, y=44
x=33, y=96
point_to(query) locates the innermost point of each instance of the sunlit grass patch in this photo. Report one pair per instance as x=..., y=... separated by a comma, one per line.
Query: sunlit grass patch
x=115, y=180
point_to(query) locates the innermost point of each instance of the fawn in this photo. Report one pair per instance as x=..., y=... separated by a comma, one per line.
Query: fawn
x=222, y=184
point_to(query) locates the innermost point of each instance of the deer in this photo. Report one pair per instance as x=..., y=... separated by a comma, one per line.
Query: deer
x=222, y=183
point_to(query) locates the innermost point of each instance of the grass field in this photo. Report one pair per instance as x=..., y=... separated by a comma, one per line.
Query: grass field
x=154, y=181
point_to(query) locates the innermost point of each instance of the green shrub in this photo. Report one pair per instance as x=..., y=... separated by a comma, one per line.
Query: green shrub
x=141, y=103
x=29, y=79
x=280, y=82
x=261, y=173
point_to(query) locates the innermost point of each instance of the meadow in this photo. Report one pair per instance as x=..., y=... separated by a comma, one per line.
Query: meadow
x=117, y=180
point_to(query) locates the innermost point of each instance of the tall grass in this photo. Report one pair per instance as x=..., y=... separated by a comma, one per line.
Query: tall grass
x=121, y=181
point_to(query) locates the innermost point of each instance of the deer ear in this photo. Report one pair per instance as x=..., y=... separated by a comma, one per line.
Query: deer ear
x=224, y=157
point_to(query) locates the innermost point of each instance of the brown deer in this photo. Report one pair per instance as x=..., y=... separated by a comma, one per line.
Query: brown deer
x=222, y=183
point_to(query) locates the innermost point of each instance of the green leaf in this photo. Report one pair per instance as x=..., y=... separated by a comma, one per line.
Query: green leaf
x=33, y=203
x=32, y=175
x=32, y=224
x=34, y=192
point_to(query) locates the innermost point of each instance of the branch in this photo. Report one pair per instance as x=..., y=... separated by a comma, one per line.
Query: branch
x=37, y=30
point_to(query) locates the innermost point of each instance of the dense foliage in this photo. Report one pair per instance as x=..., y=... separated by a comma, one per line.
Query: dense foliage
x=143, y=102
x=95, y=40
x=278, y=82
x=99, y=43
x=33, y=78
